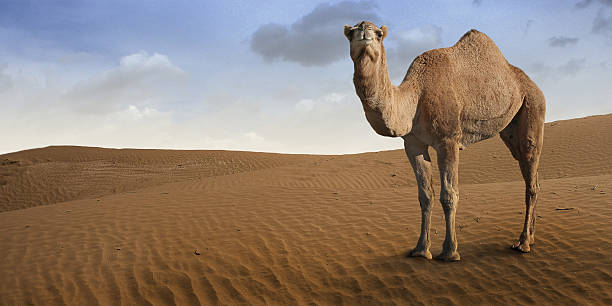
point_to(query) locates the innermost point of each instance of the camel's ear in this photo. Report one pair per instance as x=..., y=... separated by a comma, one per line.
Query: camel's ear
x=348, y=31
x=384, y=30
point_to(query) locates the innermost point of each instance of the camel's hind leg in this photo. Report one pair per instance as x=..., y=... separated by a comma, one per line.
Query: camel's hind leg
x=421, y=164
x=524, y=137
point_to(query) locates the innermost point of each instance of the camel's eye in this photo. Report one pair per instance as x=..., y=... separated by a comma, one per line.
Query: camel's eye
x=379, y=34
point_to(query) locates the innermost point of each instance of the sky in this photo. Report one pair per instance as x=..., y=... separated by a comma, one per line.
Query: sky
x=271, y=76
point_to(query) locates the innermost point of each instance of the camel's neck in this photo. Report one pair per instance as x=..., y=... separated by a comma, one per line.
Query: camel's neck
x=389, y=109
x=372, y=82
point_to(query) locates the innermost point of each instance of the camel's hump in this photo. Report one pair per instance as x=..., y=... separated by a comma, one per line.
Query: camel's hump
x=468, y=56
x=471, y=34
x=475, y=40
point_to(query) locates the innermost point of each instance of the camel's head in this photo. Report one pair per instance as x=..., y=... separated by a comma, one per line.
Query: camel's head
x=366, y=40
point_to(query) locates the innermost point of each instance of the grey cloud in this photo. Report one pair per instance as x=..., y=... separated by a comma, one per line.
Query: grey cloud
x=562, y=41
x=602, y=24
x=583, y=3
x=409, y=45
x=586, y=3
x=572, y=67
x=477, y=2
x=316, y=39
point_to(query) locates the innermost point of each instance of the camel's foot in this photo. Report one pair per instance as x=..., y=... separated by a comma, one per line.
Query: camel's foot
x=532, y=240
x=420, y=252
x=521, y=246
x=449, y=256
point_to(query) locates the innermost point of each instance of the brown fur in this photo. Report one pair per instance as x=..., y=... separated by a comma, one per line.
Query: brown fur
x=450, y=98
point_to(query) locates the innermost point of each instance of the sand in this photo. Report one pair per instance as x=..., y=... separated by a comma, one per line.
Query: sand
x=87, y=226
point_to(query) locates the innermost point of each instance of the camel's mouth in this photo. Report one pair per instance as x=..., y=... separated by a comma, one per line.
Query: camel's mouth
x=366, y=41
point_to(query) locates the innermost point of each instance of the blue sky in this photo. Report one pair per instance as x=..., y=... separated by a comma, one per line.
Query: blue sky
x=266, y=76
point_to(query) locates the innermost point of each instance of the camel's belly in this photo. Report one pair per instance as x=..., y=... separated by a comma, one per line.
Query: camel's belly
x=475, y=130
x=478, y=131
x=488, y=112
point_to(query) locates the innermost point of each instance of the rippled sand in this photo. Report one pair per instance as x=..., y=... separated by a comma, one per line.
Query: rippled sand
x=86, y=226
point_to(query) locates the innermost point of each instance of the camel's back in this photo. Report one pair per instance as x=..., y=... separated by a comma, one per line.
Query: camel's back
x=474, y=79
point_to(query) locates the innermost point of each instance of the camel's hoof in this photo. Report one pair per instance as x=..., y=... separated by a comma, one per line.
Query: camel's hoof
x=420, y=253
x=522, y=247
x=449, y=257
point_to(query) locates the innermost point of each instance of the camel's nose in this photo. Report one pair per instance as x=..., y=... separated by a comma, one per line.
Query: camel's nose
x=366, y=34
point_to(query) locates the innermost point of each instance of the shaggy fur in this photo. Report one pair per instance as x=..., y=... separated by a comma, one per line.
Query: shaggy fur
x=450, y=98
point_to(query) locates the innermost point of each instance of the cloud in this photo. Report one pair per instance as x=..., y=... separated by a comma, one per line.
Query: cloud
x=316, y=39
x=410, y=44
x=602, y=24
x=327, y=124
x=571, y=68
x=586, y=3
x=304, y=105
x=253, y=137
x=562, y=41
x=327, y=100
x=135, y=113
x=477, y=2
x=583, y=4
x=139, y=80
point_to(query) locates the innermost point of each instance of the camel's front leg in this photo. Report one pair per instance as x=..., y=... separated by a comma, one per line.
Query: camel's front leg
x=421, y=164
x=448, y=163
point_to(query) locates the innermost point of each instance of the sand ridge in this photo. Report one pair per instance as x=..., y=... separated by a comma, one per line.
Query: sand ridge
x=260, y=228
x=62, y=173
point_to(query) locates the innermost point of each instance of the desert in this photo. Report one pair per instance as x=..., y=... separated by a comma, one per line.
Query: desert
x=327, y=152
x=83, y=225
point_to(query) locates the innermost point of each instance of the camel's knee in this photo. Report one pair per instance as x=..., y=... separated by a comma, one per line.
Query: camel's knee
x=448, y=198
x=531, y=189
x=530, y=192
x=425, y=188
x=425, y=197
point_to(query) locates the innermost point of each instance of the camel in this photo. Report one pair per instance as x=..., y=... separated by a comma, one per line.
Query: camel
x=451, y=98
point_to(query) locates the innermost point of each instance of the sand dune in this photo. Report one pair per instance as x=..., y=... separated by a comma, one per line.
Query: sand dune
x=220, y=227
x=63, y=173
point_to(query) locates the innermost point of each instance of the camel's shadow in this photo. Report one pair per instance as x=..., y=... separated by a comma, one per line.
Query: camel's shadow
x=476, y=254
